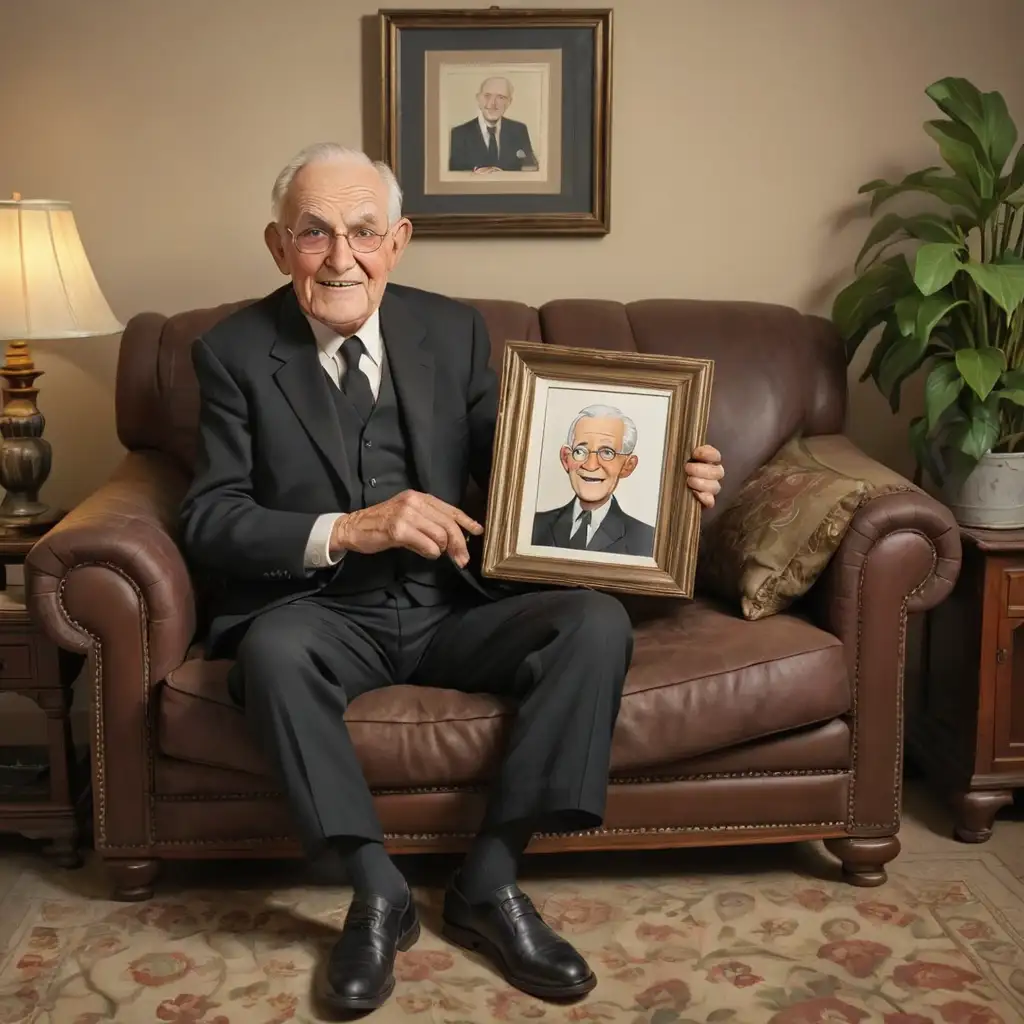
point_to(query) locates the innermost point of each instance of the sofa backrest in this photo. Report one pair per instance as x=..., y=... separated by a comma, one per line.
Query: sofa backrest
x=777, y=371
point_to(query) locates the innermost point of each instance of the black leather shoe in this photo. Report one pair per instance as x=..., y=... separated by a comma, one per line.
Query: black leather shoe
x=508, y=930
x=360, y=969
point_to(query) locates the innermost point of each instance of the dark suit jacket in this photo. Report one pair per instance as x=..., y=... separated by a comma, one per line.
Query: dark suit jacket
x=469, y=150
x=618, y=533
x=271, y=457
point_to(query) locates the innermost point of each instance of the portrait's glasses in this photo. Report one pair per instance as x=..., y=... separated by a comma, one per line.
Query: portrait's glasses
x=313, y=241
x=605, y=453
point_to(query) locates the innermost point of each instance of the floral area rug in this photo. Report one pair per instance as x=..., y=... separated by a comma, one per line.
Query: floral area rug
x=940, y=942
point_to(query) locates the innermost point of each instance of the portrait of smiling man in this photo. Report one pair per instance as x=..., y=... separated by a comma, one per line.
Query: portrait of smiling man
x=340, y=419
x=599, y=453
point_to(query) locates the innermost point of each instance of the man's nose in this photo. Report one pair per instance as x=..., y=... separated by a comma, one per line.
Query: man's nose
x=591, y=462
x=340, y=255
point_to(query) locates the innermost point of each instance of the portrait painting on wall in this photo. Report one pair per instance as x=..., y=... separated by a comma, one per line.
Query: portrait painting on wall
x=496, y=121
x=588, y=485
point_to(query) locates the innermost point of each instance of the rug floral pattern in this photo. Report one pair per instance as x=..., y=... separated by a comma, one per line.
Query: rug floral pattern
x=778, y=949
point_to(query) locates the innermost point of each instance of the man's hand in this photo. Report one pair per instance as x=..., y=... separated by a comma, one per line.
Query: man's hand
x=412, y=520
x=703, y=474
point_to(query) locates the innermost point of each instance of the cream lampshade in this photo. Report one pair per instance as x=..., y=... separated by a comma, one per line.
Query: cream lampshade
x=47, y=291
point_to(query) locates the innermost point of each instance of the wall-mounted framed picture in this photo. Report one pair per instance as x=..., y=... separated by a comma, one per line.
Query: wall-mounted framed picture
x=497, y=121
x=588, y=485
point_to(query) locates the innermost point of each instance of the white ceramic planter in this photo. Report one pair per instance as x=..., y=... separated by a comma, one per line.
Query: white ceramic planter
x=992, y=496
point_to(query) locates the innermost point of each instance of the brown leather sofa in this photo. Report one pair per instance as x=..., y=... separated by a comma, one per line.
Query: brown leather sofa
x=731, y=731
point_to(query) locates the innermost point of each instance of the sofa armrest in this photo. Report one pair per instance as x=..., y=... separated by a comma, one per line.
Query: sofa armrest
x=900, y=554
x=110, y=581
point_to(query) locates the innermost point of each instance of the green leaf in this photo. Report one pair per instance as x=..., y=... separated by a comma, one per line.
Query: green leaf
x=981, y=368
x=977, y=434
x=1014, y=181
x=935, y=265
x=1003, y=279
x=862, y=304
x=928, y=227
x=942, y=186
x=1013, y=379
x=889, y=337
x=1000, y=131
x=961, y=100
x=963, y=152
x=1015, y=395
x=941, y=389
x=885, y=228
x=899, y=362
x=918, y=432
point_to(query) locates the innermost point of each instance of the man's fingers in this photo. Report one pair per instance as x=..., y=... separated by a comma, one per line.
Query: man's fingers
x=702, y=484
x=421, y=534
x=704, y=470
x=453, y=512
x=455, y=542
x=707, y=453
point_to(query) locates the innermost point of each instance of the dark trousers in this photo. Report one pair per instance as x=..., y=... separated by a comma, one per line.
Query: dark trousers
x=561, y=655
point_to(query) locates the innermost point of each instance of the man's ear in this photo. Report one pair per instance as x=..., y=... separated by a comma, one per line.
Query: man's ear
x=399, y=239
x=628, y=466
x=564, y=454
x=272, y=236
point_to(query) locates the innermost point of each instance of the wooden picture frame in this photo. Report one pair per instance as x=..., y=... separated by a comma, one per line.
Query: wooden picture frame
x=549, y=464
x=537, y=82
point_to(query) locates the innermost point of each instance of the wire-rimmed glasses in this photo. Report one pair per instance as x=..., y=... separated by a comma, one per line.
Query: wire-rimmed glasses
x=580, y=453
x=313, y=241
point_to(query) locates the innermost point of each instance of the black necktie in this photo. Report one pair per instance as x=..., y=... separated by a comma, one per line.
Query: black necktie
x=354, y=383
x=492, y=145
x=579, y=538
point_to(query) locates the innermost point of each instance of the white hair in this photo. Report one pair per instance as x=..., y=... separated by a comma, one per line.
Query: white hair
x=332, y=151
x=498, y=78
x=609, y=412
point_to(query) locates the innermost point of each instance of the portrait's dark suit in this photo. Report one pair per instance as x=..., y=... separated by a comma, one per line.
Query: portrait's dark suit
x=279, y=444
x=469, y=149
x=618, y=533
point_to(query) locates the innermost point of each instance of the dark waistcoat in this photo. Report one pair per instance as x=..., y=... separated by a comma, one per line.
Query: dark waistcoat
x=381, y=465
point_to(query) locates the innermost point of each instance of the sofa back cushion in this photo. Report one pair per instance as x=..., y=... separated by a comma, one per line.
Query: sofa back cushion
x=777, y=372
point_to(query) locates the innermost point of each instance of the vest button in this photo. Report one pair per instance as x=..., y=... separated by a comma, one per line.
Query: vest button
x=373, y=481
x=367, y=444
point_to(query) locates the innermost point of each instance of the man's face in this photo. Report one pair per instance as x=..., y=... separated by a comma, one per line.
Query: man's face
x=592, y=477
x=494, y=99
x=342, y=286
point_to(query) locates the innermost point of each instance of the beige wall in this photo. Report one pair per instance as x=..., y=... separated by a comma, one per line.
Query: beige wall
x=741, y=131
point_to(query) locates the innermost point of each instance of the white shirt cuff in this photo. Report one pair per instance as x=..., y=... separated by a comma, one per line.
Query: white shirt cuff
x=318, y=553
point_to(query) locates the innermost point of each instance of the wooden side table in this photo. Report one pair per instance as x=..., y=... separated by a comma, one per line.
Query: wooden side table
x=967, y=729
x=31, y=665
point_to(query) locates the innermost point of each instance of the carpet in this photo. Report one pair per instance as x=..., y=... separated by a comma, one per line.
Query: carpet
x=940, y=942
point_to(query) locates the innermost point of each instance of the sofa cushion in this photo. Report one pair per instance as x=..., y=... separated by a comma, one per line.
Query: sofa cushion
x=775, y=539
x=701, y=680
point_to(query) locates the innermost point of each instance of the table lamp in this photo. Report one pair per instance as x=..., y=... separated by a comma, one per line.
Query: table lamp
x=47, y=291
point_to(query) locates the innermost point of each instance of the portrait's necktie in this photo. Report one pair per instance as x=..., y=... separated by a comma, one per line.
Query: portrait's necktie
x=579, y=538
x=354, y=383
x=492, y=144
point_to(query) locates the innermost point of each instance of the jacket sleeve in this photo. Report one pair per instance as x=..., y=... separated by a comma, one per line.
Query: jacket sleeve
x=223, y=527
x=482, y=404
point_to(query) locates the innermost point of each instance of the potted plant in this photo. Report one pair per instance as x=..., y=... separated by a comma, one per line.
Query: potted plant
x=949, y=304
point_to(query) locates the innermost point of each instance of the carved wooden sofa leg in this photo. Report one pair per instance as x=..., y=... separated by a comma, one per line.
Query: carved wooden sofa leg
x=864, y=858
x=133, y=879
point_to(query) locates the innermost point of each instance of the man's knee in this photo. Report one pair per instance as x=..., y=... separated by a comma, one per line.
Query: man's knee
x=274, y=646
x=598, y=619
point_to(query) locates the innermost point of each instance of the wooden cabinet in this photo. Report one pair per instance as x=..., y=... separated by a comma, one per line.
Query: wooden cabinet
x=966, y=721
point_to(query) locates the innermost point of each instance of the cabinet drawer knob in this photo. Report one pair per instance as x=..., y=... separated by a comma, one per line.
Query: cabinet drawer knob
x=1001, y=656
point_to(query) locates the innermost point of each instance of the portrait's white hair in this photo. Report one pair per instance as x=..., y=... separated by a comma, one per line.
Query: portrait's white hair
x=334, y=152
x=606, y=412
x=498, y=78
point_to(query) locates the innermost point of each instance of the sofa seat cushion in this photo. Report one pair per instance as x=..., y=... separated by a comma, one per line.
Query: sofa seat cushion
x=701, y=680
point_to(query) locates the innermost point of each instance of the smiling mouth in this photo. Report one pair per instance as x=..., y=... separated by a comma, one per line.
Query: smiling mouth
x=339, y=284
x=592, y=479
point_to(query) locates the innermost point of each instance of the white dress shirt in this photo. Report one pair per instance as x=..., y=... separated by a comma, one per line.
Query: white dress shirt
x=596, y=518
x=484, y=125
x=371, y=362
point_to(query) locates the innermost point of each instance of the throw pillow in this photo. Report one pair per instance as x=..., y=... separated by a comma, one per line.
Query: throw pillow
x=776, y=538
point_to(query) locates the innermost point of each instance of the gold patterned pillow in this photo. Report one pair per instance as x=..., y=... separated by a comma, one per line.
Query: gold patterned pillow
x=776, y=538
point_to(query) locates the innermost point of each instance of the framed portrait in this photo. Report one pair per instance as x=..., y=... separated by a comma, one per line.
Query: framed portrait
x=497, y=121
x=588, y=486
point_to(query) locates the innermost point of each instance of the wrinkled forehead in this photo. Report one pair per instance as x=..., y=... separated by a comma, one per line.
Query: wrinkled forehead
x=495, y=87
x=599, y=430
x=336, y=192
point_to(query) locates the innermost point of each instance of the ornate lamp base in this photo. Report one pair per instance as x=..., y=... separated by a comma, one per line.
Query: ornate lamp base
x=24, y=454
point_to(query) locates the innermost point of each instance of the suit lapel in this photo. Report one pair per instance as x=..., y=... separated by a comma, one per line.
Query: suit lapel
x=305, y=385
x=562, y=525
x=612, y=529
x=412, y=371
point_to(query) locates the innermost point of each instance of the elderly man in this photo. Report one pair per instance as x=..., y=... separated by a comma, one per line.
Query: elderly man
x=598, y=453
x=340, y=418
x=492, y=141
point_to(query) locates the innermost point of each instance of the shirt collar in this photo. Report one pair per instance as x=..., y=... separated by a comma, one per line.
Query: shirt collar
x=329, y=341
x=596, y=514
x=485, y=124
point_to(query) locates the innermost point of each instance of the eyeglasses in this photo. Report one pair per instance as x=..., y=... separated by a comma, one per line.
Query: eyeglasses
x=605, y=453
x=313, y=241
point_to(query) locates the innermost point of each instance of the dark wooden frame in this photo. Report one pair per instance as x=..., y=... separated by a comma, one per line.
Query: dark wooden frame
x=596, y=221
x=677, y=532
